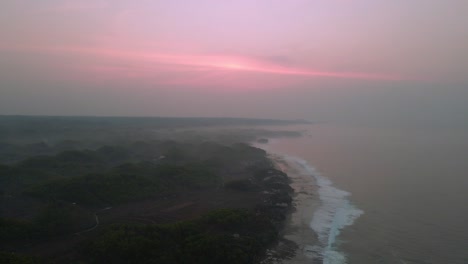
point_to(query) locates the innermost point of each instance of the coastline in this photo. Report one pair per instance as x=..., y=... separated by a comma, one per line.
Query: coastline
x=298, y=243
x=306, y=202
x=320, y=212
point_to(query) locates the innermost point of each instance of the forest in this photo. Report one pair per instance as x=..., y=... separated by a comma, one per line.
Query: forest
x=197, y=199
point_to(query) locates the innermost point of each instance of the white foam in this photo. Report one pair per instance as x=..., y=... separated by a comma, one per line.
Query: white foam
x=334, y=213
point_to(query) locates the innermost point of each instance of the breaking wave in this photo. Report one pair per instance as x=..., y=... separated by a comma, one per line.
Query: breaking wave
x=334, y=213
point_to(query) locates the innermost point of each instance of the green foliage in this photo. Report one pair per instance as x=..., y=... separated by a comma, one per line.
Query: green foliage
x=191, y=166
x=67, y=163
x=113, y=175
x=240, y=185
x=13, y=229
x=222, y=236
x=227, y=218
x=96, y=189
x=126, y=183
x=12, y=258
x=13, y=178
x=190, y=175
x=55, y=219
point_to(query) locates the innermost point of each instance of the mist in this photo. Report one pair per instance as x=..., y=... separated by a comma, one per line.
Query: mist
x=318, y=60
x=208, y=131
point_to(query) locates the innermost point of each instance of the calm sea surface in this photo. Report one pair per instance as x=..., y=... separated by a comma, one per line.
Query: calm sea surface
x=410, y=182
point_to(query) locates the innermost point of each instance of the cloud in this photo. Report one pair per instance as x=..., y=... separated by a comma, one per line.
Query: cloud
x=281, y=60
x=86, y=64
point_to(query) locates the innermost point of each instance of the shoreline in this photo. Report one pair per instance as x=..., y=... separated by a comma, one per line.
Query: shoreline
x=298, y=243
x=320, y=212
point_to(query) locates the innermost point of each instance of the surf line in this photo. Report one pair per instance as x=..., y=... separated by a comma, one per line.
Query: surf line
x=335, y=213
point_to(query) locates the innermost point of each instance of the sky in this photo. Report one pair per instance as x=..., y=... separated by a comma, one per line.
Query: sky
x=313, y=59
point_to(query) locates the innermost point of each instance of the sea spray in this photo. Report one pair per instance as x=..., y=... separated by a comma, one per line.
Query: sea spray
x=335, y=213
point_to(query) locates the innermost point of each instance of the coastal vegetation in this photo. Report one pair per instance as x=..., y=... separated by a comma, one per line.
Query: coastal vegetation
x=221, y=236
x=139, y=201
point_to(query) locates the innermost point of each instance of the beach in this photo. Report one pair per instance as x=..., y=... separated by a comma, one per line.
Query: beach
x=299, y=242
x=306, y=202
x=402, y=191
x=321, y=211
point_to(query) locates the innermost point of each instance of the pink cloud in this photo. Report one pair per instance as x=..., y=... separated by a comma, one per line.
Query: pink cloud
x=171, y=69
x=216, y=62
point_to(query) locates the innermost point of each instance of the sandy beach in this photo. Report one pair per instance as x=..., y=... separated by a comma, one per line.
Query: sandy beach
x=297, y=229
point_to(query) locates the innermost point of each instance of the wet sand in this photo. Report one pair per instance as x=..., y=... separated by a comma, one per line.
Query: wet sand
x=306, y=201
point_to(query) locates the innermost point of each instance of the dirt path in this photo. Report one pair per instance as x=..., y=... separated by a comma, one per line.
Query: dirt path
x=97, y=222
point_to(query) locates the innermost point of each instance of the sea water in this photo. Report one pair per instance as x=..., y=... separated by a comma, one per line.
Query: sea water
x=334, y=213
x=388, y=195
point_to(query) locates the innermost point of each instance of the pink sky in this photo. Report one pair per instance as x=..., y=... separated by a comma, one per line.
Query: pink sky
x=233, y=45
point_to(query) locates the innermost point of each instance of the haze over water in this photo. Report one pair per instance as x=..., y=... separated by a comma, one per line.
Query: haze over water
x=401, y=66
x=410, y=182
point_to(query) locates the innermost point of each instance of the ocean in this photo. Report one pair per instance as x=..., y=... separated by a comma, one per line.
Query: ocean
x=388, y=194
